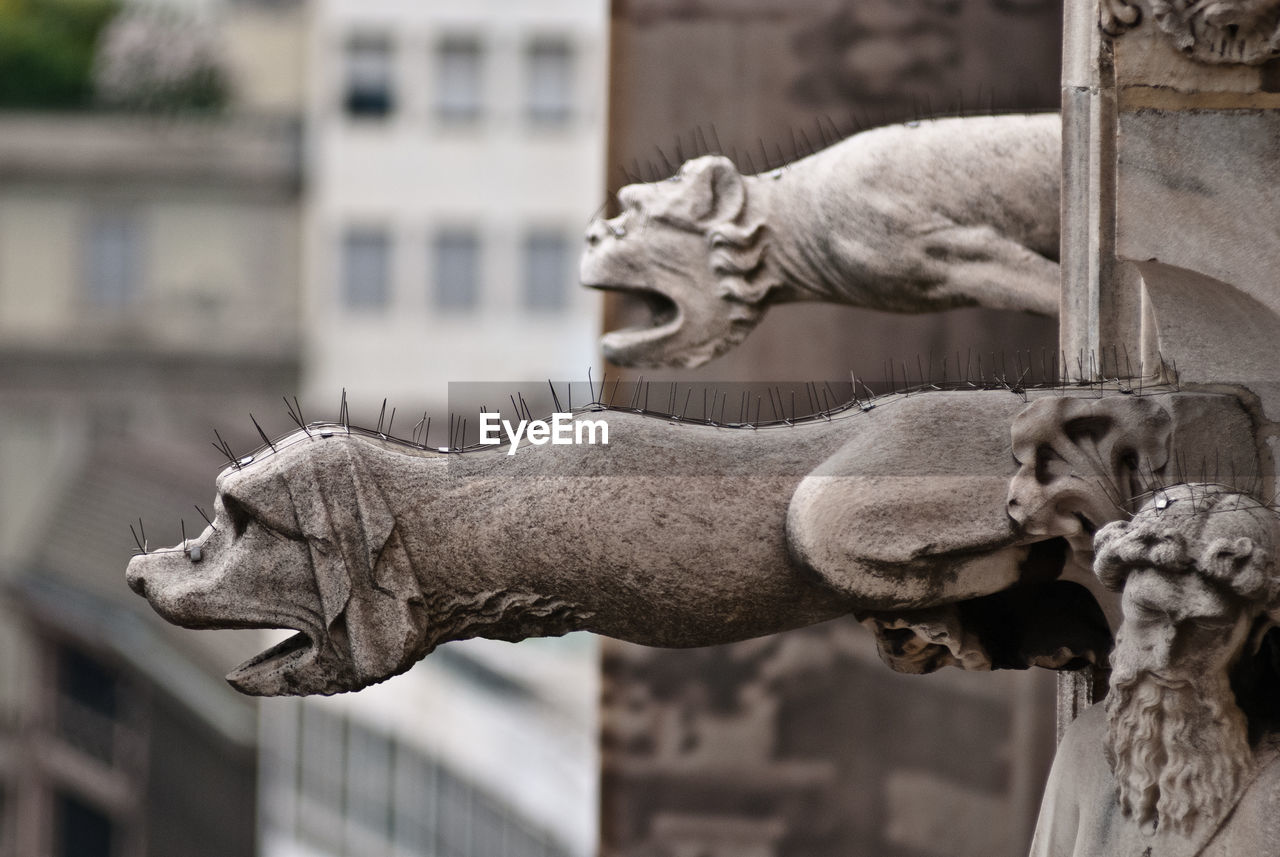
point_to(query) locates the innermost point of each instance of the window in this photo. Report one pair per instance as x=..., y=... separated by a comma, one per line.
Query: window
x=365, y=269
x=81, y=830
x=321, y=780
x=87, y=704
x=112, y=259
x=459, y=80
x=546, y=270
x=550, y=82
x=457, y=270
x=415, y=794
x=369, y=780
x=369, y=89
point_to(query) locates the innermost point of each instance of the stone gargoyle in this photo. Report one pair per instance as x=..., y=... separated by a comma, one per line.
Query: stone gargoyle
x=956, y=539
x=907, y=218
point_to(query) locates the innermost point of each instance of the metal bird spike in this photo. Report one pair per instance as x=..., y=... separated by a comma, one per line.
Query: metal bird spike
x=225, y=448
x=262, y=434
x=142, y=548
x=207, y=520
x=295, y=414
x=670, y=170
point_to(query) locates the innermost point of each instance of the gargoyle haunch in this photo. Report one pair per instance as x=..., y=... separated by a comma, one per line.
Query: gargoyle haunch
x=907, y=218
x=376, y=551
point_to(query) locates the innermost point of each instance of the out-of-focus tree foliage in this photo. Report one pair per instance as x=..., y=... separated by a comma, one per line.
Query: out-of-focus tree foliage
x=47, y=50
x=159, y=60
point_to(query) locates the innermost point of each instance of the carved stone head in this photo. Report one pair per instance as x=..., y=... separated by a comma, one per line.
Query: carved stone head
x=302, y=540
x=688, y=248
x=1198, y=574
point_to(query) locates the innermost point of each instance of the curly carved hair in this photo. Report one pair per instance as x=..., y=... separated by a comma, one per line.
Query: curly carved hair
x=1228, y=537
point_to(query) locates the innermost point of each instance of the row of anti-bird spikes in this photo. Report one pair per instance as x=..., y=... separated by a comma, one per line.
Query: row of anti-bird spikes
x=822, y=399
x=973, y=372
x=760, y=157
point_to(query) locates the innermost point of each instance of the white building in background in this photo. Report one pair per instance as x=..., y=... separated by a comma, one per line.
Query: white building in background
x=455, y=154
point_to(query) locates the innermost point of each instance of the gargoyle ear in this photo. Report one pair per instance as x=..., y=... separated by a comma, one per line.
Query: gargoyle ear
x=711, y=191
x=383, y=604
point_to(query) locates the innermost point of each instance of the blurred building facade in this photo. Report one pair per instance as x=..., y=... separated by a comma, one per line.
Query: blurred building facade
x=455, y=155
x=385, y=197
x=149, y=287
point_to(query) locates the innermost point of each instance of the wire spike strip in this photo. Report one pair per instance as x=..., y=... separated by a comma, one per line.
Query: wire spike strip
x=142, y=549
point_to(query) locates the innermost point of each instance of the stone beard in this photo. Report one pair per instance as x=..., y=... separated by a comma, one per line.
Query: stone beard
x=1178, y=745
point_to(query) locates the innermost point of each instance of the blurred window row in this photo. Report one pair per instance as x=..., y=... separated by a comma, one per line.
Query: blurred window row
x=361, y=791
x=460, y=68
x=454, y=273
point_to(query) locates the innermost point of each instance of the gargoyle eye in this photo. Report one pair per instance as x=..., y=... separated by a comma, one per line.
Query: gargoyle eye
x=239, y=515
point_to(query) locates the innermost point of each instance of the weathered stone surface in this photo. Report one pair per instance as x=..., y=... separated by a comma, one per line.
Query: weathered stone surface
x=982, y=509
x=1208, y=260
x=1187, y=760
x=377, y=552
x=908, y=218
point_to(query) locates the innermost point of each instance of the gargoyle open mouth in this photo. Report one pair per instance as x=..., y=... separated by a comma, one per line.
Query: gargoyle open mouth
x=648, y=317
x=289, y=656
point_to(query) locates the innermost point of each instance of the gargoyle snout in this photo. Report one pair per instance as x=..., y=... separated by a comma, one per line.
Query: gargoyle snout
x=135, y=578
x=597, y=231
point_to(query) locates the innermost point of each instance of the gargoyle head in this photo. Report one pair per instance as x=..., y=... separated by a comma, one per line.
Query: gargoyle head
x=304, y=540
x=687, y=247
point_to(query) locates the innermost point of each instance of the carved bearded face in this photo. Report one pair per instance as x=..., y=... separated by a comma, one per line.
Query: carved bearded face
x=1177, y=741
x=1198, y=577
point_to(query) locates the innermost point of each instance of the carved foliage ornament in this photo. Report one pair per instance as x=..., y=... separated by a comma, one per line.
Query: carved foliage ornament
x=1211, y=31
x=1081, y=461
